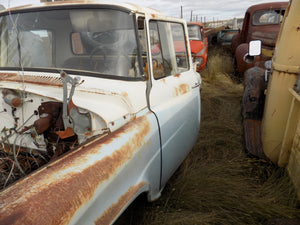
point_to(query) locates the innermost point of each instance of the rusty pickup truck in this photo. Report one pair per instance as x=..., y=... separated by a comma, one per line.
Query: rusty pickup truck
x=97, y=107
x=261, y=22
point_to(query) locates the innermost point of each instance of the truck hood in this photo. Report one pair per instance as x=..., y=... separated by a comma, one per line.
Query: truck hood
x=110, y=105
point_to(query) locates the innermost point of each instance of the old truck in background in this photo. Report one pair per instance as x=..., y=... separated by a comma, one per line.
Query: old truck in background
x=261, y=22
x=272, y=122
x=97, y=107
x=198, y=44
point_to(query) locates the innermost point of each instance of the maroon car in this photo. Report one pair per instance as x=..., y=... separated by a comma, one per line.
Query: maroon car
x=261, y=22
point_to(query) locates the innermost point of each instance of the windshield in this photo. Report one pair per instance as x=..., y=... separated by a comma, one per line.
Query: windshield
x=194, y=32
x=91, y=40
x=266, y=17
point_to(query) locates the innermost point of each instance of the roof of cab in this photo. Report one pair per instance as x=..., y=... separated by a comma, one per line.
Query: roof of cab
x=195, y=23
x=269, y=5
x=153, y=13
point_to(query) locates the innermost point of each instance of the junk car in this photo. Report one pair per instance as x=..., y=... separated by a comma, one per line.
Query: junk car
x=224, y=37
x=261, y=22
x=198, y=44
x=97, y=107
x=271, y=100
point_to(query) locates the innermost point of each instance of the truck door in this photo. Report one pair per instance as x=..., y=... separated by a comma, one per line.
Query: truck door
x=174, y=95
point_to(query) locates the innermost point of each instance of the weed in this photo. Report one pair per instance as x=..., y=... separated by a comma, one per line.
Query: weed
x=218, y=183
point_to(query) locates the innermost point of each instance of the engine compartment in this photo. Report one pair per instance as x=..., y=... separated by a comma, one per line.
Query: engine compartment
x=35, y=129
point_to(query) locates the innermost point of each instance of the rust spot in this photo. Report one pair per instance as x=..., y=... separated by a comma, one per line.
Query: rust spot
x=125, y=94
x=113, y=211
x=71, y=105
x=252, y=133
x=65, y=133
x=87, y=133
x=133, y=118
x=177, y=75
x=184, y=88
x=153, y=15
x=176, y=92
x=164, y=80
x=60, y=189
x=16, y=102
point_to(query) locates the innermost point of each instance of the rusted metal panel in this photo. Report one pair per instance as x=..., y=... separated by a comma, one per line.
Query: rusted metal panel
x=48, y=81
x=60, y=184
x=267, y=38
x=252, y=110
x=252, y=135
x=254, y=96
x=114, y=210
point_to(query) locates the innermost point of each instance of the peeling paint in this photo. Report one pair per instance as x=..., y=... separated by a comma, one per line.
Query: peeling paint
x=184, y=88
x=58, y=191
x=113, y=211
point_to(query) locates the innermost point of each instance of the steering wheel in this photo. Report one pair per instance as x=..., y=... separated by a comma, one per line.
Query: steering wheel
x=120, y=57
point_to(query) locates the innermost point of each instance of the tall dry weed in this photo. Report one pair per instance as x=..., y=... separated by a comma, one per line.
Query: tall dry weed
x=218, y=183
x=219, y=62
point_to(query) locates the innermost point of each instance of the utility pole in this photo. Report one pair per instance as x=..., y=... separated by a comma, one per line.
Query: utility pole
x=181, y=16
x=181, y=13
x=191, y=16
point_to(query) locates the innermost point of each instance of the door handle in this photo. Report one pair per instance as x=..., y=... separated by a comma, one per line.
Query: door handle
x=196, y=85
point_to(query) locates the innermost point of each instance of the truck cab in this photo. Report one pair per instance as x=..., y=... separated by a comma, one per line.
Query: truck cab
x=97, y=107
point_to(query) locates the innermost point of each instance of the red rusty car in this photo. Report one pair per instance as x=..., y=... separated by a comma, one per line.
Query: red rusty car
x=261, y=22
x=198, y=43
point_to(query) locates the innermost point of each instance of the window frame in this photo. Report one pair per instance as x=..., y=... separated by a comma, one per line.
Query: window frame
x=185, y=41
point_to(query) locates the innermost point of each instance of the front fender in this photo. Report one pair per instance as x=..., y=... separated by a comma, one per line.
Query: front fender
x=82, y=186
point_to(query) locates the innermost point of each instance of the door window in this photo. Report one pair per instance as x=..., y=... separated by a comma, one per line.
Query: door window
x=168, y=48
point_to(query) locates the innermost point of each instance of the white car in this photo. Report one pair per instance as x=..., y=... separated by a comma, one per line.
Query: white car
x=97, y=107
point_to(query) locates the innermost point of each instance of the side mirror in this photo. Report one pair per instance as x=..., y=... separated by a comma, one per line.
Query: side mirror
x=254, y=50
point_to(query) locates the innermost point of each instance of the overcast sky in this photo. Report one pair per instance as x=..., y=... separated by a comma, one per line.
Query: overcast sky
x=210, y=9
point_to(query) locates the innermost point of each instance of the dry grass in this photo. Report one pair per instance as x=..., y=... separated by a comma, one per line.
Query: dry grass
x=218, y=183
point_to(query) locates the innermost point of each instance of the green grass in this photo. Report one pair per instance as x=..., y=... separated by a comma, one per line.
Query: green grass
x=218, y=183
